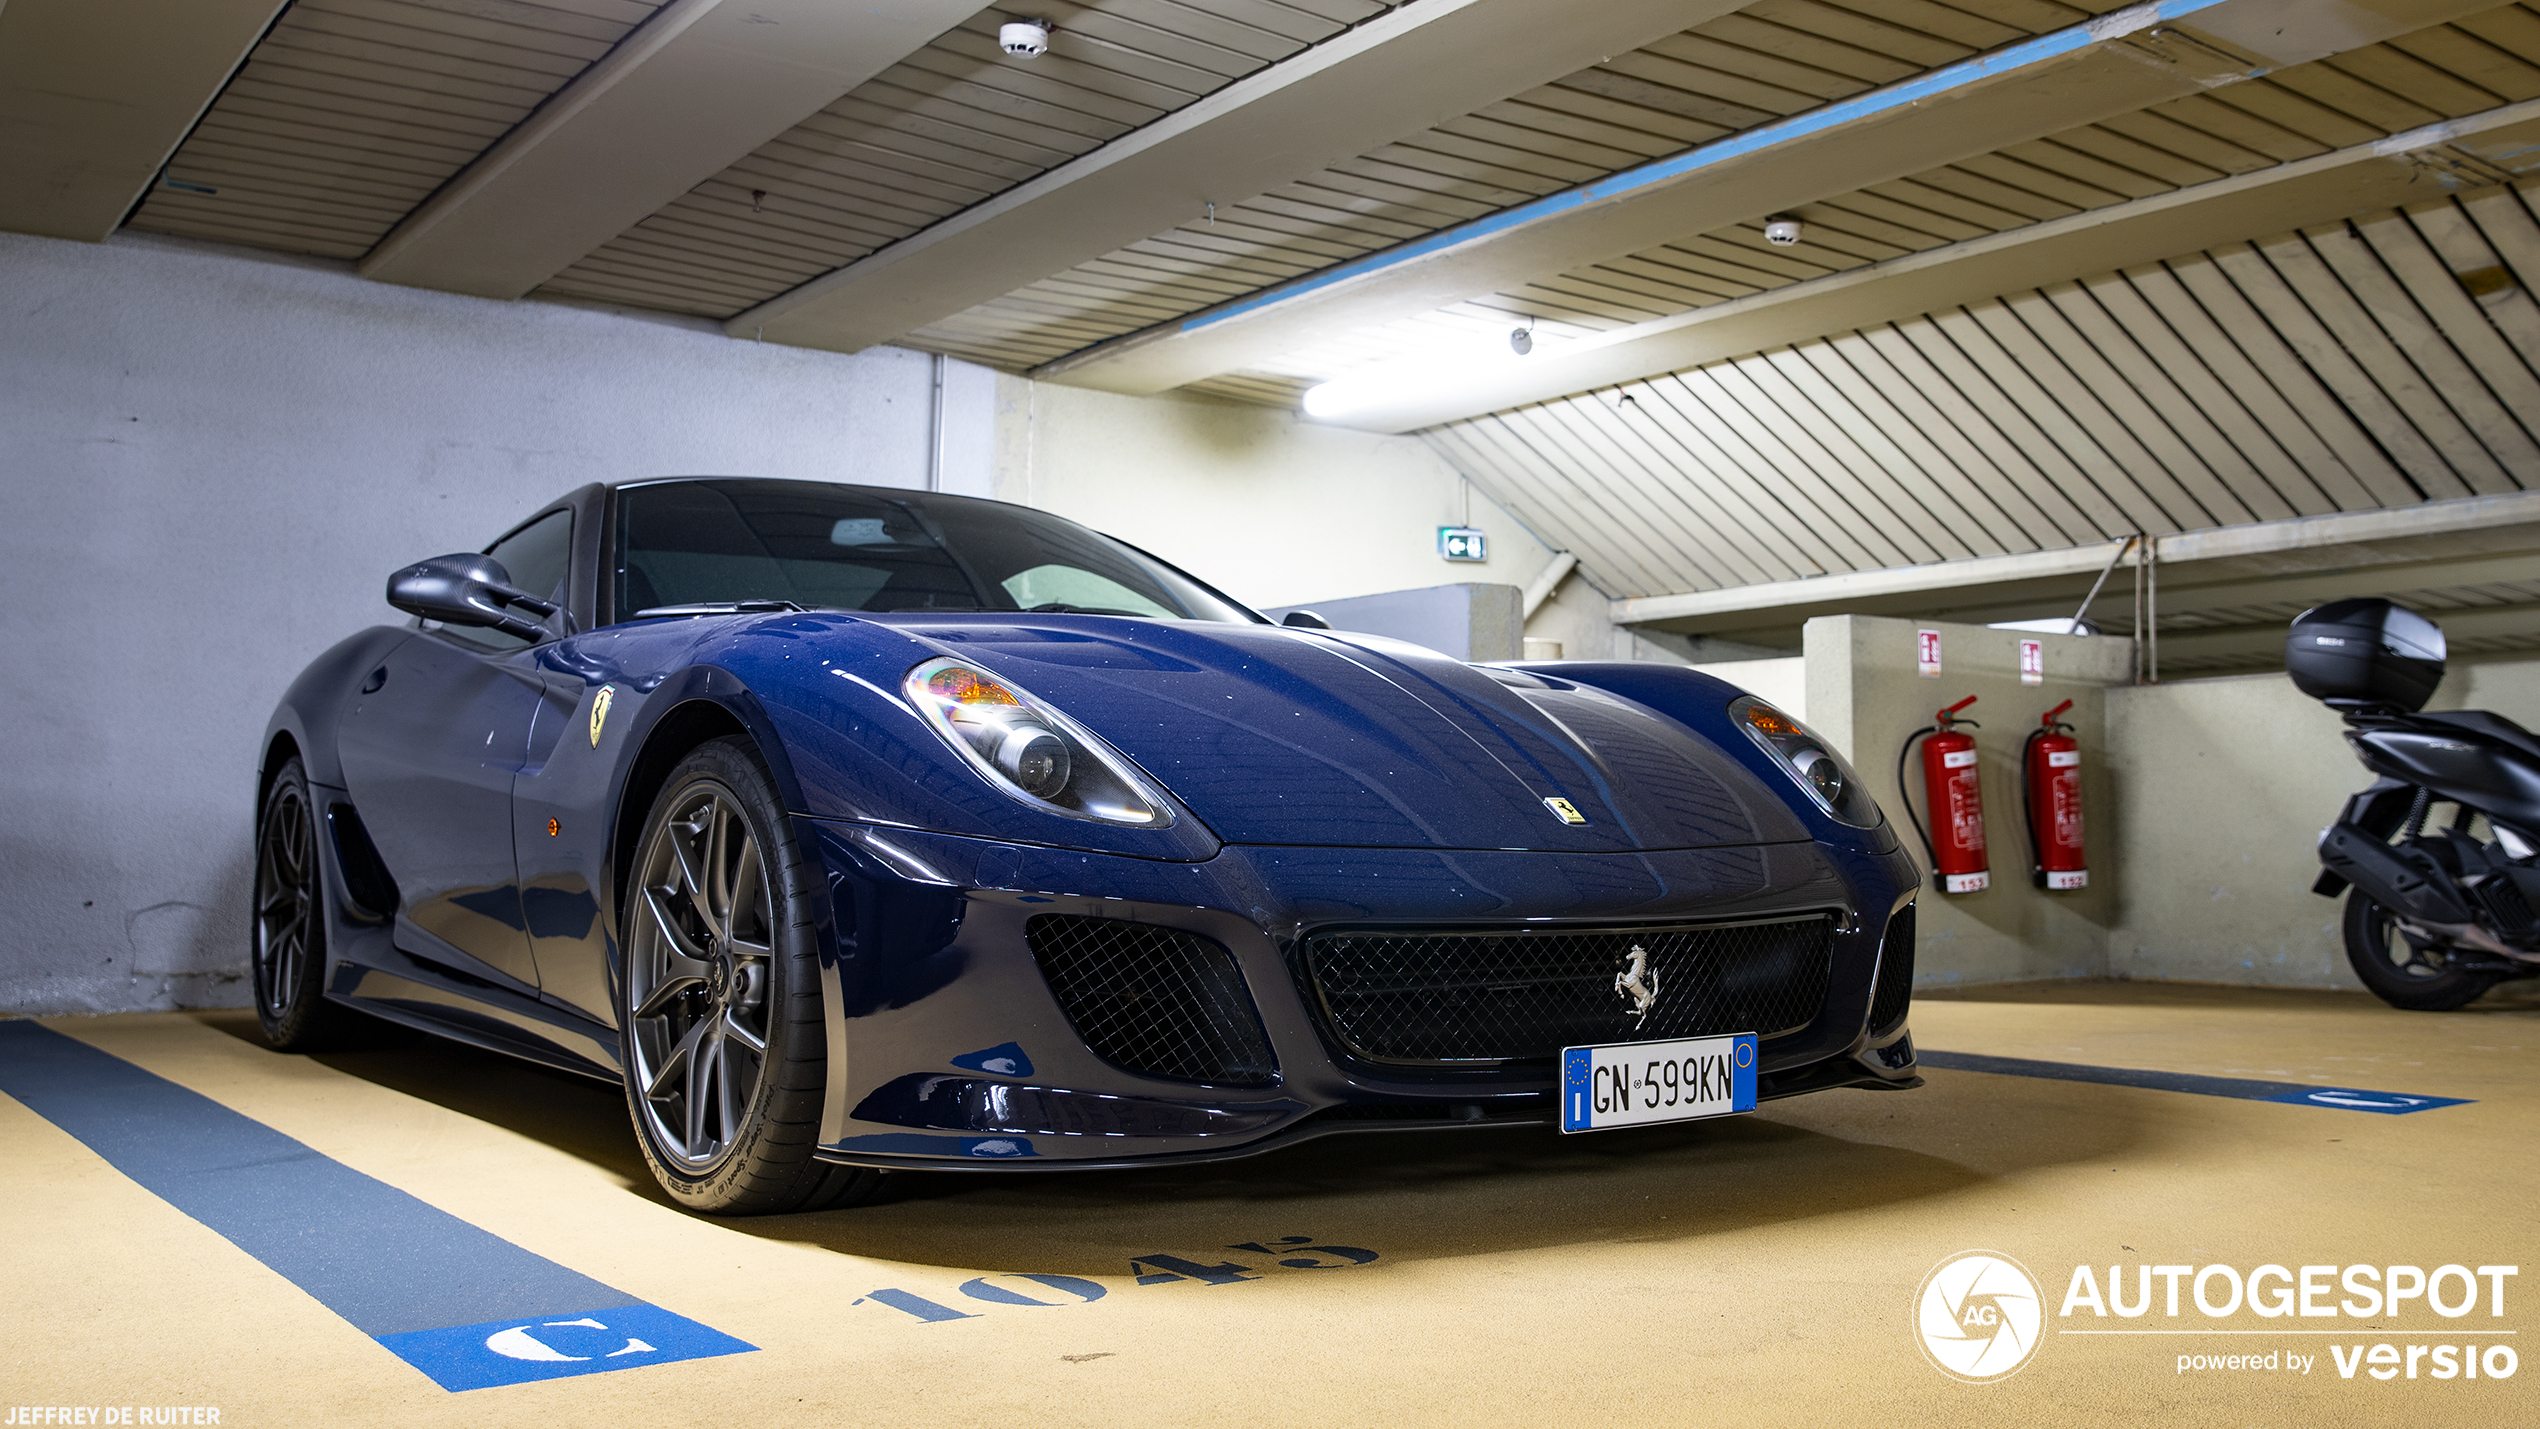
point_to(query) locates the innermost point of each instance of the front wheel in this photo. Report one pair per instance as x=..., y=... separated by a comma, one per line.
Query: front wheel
x=288, y=953
x=725, y=1045
x=2420, y=977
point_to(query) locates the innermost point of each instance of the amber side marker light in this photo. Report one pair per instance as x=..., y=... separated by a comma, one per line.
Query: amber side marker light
x=1769, y=720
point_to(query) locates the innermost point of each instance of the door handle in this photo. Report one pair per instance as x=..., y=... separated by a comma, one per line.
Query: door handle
x=377, y=678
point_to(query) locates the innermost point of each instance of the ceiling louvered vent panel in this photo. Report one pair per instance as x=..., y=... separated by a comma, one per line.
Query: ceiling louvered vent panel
x=953, y=124
x=1769, y=60
x=351, y=112
x=2480, y=621
x=2374, y=364
x=2443, y=72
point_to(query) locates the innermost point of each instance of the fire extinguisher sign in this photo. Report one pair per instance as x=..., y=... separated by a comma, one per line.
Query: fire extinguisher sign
x=1927, y=654
x=2032, y=662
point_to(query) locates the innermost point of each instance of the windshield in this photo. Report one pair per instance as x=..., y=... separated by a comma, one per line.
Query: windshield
x=860, y=548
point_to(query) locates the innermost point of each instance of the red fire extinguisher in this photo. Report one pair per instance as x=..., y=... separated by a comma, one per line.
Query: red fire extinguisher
x=2051, y=760
x=1953, y=792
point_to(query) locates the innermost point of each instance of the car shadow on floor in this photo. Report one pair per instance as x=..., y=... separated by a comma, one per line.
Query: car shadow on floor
x=579, y=1116
x=1447, y=1194
x=1404, y=1195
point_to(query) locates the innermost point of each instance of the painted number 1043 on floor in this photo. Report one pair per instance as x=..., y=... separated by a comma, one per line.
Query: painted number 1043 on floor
x=1645, y=1083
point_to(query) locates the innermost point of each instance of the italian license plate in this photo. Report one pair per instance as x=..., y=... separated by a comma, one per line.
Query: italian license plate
x=1645, y=1083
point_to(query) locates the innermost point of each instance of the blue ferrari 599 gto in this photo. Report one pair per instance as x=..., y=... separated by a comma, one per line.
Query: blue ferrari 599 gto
x=856, y=829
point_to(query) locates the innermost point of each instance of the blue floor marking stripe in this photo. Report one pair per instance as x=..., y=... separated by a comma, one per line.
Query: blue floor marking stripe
x=2301, y=1093
x=407, y=1274
x=509, y=1351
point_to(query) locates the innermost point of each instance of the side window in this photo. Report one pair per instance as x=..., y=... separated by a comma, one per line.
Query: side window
x=539, y=557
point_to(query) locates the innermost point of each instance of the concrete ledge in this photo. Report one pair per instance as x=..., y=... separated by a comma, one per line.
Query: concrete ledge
x=1469, y=620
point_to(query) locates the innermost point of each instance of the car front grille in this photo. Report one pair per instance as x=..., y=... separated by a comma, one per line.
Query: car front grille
x=1430, y=998
x=1894, y=992
x=1156, y=1001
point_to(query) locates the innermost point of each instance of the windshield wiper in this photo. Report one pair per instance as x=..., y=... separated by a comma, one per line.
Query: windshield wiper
x=719, y=607
x=1060, y=607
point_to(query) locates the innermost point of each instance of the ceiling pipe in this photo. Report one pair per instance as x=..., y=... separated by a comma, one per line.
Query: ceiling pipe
x=1548, y=580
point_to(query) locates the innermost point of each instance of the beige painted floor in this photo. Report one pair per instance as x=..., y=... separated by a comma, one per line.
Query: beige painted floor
x=1752, y=1271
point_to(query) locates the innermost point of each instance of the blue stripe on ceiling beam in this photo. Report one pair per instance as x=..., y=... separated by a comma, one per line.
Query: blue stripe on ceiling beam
x=1659, y=173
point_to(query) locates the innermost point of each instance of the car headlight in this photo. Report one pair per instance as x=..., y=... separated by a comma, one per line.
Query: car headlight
x=1028, y=749
x=1820, y=772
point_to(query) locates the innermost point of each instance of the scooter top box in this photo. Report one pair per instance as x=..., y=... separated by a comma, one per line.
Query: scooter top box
x=2365, y=652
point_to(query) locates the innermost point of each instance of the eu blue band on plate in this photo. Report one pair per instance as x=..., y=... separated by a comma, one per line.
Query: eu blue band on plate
x=1575, y=1063
x=466, y=1307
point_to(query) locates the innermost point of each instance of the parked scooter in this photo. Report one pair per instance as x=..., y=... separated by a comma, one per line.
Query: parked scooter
x=2434, y=917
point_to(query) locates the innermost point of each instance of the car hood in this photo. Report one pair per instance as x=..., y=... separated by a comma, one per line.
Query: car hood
x=1273, y=735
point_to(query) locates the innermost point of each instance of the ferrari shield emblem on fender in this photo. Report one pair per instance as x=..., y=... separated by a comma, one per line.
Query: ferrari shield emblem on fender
x=600, y=711
x=1565, y=811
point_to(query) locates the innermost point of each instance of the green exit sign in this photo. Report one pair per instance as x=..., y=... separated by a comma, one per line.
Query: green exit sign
x=1463, y=543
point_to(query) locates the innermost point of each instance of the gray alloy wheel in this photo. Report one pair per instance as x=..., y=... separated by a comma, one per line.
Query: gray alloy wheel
x=725, y=1045
x=697, y=977
x=288, y=955
x=2399, y=970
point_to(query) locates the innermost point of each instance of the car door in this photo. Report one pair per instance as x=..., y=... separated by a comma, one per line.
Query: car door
x=430, y=748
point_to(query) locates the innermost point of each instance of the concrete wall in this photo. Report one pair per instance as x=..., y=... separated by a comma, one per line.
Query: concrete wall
x=2224, y=786
x=1865, y=696
x=2203, y=800
x=214, y=457
x=212, y=462
x=1578, y=618
x=1465, y=619
x=1274, y=510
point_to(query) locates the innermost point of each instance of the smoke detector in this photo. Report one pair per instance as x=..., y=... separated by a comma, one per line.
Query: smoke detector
x=1024, y=39
x=1781, y=230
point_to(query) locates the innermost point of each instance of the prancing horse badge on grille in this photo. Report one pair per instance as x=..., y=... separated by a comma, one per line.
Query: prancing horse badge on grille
x=1639, y=982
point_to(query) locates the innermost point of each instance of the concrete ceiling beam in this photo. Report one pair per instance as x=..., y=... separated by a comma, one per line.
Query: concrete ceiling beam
x=1403, y=72
x=2197, y=591
x=2117, y=63
x=2459, y=154
x=2247, y=642
x=2473, y=527
x=698, y=86
x=94, y=98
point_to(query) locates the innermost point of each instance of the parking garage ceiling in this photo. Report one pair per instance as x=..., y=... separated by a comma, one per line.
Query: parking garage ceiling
x=2067, y=272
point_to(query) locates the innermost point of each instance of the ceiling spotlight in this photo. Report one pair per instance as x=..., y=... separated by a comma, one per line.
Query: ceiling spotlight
x=1024, y=38
x=1522, y=340
x=1781, y=230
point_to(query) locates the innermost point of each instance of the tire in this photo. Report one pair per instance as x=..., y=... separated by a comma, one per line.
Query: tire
x=287, y=957
x=2397, y=971
x=725, y=1047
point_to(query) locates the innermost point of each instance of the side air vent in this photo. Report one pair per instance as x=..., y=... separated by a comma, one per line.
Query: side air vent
x=366, y=877
x=1894, y=992
x=1155, y=1001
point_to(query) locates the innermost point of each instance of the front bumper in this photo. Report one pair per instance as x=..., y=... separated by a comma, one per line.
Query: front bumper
x=948, y=1050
